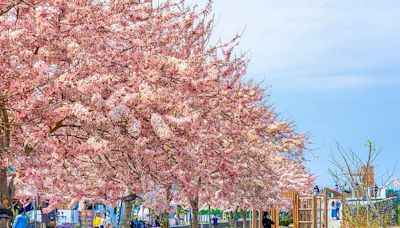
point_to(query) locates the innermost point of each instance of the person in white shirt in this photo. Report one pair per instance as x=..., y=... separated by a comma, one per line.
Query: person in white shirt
x=106, y=221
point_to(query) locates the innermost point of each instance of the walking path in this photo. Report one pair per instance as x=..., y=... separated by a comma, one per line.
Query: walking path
x=334, y=223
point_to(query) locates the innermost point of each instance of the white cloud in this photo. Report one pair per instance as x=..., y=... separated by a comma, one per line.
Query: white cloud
x=334, y=82
x=315, y=37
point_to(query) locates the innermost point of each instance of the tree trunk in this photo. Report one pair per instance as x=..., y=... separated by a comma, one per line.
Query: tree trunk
x=209, y=216
x=6, y=188
x=195, y=213
x=5, y=222
x=127, y=214
x=235, y=218
x=253, y=219
x=244, y=214
x=165, y=214
x=165, y=222
x=6, y=195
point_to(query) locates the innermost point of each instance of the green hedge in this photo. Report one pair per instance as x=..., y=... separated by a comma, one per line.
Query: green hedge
x=286, y=221
x=213, y=212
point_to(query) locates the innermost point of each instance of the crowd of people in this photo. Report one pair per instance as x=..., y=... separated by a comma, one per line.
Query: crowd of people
x=136, y=223
x=19, y=219
x=105, y=220
x=267, y=222
x=15, y=214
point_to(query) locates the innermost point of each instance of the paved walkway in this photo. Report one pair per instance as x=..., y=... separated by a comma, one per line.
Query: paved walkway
x=334, y=223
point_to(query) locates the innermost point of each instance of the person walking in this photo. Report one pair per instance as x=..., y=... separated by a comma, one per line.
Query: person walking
x=157, y=222
x=267, y=221
x=21, y=221
x=215, y=221
x=338, y=204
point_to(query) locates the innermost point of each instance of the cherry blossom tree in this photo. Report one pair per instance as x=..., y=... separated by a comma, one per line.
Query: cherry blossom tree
x=83, y=83
x=105, y=97
x=50, y=59
x=248, y=158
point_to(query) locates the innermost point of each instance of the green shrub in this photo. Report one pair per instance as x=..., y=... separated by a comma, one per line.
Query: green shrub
x=286, y=221
x=398, y=214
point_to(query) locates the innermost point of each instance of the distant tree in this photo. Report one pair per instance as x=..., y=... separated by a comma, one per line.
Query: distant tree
x=355, y=175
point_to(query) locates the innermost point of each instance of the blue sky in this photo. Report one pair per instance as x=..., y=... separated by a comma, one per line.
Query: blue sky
x=332, y=67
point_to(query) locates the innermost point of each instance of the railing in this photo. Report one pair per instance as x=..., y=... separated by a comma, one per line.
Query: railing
x=220, y=225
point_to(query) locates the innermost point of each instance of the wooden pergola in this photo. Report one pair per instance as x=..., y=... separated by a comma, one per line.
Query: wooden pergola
x=307, y=210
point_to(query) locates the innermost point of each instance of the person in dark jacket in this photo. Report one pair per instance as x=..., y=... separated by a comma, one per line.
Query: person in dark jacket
x=157, y=222
x=132, y=223
x=267, y=221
